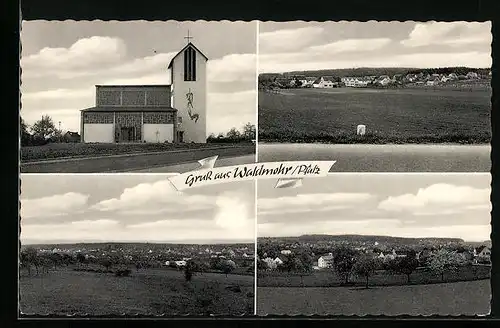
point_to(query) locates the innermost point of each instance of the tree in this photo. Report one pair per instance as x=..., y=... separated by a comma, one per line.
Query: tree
x=25, y=135
x=106, y=263
x=404, y=265
x=189, y=269
x=442, y=261
x=80, y=258
x=227, y=266
x=343, y=261
x=44, y=128
x=28, y=258
x=365, y=267
x=233, y=134
x=249, y=131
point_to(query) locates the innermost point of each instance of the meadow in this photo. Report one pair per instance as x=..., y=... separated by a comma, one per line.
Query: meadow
x=404, y=115
x=467, y=298
x=329, y=278
x=145, y=292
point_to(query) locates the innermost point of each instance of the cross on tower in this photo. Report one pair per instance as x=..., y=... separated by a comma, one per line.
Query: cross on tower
x=188, y=38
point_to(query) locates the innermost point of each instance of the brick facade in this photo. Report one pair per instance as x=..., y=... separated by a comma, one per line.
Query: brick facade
x=158, y=118
x=97, y=118
x=133, y=96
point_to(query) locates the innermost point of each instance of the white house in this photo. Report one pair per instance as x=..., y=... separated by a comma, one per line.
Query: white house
x=472, y=75
x=286, y=252
x=384, y=80
x=174, y=112
x=180, y=263
x=278, y=261
x=271, y=264
x=325, y=261
x=324, y=82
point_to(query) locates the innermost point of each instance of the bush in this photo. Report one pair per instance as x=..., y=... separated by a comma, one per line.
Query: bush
x=123, y=273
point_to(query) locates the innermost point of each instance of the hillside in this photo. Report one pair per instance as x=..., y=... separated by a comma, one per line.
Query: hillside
x=361, y=239
x=124, y=245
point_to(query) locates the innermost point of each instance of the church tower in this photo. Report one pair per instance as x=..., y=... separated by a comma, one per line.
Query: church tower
x=188, y=72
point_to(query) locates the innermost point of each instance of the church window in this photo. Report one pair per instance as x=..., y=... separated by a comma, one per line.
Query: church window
x=189, y=64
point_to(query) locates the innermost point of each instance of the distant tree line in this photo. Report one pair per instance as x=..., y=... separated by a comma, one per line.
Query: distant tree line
x=234, y=135
x=42, y=132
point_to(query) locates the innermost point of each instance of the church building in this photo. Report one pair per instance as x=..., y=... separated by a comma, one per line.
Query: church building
x=174, y=112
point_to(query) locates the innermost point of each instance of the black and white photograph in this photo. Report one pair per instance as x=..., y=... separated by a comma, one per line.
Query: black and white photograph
x=122, y=244
x=375, y=244
x=377, y=96
x=109, y=96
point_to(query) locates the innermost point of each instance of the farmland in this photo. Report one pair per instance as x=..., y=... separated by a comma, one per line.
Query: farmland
x=402, y=115
x=467, y=298
x=146, y=292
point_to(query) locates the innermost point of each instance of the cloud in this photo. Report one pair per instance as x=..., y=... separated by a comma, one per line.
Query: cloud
x=53, y=205
x=234, y=214
x=350, y=45
x=161, y=195
x=449, y=33
x=312, y=201
x=288, y=39
x=84, y=53
x=233, y=68
x=440, y=197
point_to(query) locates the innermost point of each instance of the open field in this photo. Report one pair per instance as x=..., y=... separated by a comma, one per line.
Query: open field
x=78, y=150
x=328, y=278
x=136, y=158
x=405, y=115
x=145, y=292
x=467, y=298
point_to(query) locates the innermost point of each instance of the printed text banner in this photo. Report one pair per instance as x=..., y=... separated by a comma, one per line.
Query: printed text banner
x=271, y=170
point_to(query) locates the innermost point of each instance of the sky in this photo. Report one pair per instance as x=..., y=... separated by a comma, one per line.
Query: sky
x=399, y=205
x=299, y=46
x=76, y=208
x=62, y=61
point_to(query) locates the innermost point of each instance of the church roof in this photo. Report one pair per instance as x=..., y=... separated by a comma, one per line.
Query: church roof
x=129, y=109
x=182, y=50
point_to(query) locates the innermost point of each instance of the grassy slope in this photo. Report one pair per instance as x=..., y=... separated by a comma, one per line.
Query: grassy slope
x=390, y=115
x=144, y=292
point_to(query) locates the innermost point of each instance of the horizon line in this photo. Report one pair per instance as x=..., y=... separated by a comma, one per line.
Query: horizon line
x=375, y=67
x=390, y=236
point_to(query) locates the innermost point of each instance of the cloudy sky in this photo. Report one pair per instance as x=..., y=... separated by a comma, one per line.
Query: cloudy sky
x=62, y=61
x=297, y=46
x=140, y=208
x=402, y=205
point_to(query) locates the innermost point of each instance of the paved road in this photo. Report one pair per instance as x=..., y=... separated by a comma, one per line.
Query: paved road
x=182, y=168
x=133, y=162
x=384, y=158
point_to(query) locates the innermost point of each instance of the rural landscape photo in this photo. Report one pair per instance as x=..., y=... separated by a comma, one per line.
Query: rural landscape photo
x=131, y=244
x=100, y=97
x=371, y=244
x=375, y=85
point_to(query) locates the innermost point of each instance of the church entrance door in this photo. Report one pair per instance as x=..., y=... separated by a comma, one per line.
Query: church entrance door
x=127, y=134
